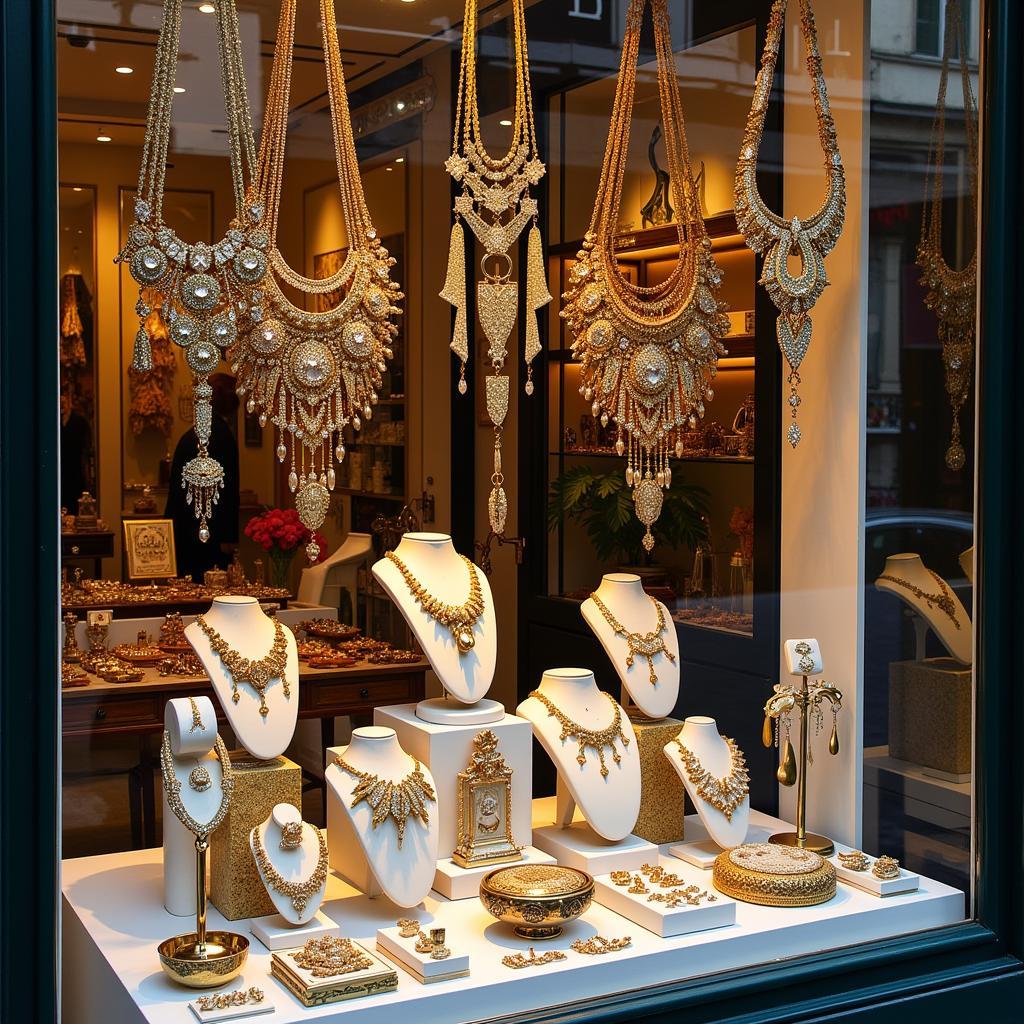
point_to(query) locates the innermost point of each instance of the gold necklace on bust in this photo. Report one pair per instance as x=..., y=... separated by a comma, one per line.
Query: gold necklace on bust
x=776, y=238
x=396, y=800
x=647, y=645
x=597, y=739
x=207, y=291
x=497, y=205
x=298, y=892
x=724, y=794
x=259, y=673
x=952, y=294
x=647, y=353
x=172, y=788
x=943, y=600
x=313, y=373
x=458, y=619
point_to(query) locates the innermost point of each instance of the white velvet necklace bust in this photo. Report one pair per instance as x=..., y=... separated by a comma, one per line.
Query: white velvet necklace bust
x=623, y=595
x=247, y=630
x=609, y=803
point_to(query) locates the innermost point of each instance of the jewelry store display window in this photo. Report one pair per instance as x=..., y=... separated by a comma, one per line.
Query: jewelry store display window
x=510, y=510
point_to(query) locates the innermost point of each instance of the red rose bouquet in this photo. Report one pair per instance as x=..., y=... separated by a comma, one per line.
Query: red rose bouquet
x=280, y=532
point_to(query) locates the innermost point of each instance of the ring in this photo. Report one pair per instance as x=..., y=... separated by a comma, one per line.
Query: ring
x=886, y=867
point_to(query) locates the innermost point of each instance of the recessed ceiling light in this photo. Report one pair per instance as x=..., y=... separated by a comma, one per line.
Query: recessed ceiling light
x=389, y=168
x=505, y=123
x=408, y=1
x=207, y=9
x=76, y=188
x=103, y=138
x=399, y=159
x=179, y=89
x=125, y=70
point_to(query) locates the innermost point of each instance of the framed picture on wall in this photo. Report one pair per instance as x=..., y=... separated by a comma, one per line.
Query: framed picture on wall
x=149, y=548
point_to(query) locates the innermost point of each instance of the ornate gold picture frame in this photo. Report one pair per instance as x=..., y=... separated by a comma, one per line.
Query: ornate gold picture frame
x=485, y=807
x=149, y=548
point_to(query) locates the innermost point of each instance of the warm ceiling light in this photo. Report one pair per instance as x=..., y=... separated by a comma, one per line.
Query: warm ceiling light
x=103, y=138
x=207, y=9
x=505, y=123
x=179, y=89
x=76, y=188
x=124, y=70
x=389, y=168
x=399, y=159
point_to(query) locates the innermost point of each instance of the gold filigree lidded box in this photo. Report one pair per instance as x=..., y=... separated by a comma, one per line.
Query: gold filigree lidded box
x=774, y=876
x=538, y=900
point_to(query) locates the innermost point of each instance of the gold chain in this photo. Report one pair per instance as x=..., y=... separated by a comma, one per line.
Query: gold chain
x=776, y=238
x=298, y=892
x=725, y=794
x=172, y=788
x=597, y=739
x=259, y=673
x=943, y=600
x=458, y=619
x=647, y=645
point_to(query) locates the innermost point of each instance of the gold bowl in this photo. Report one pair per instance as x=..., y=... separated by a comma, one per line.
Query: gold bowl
x=537, y=899
x=216, y=964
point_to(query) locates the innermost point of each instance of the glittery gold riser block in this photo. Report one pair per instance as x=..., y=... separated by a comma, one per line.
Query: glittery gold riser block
x=930, y=714
x=236, y=889
x=662, y=800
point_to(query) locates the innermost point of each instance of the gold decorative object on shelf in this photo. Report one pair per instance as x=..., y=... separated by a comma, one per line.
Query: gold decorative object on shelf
x=597, y=739
x=648, y=353
x=724, y=794
x=496, y=204
x=207, y=291
x=942, y=599
x=71, y=653
x=599, y=945
x=298, y=892
x=485, y=807
x=774, y=876
x=396, y=800
x=537, y=899
x=952, y=294
x=646, y=645
x=806, y=700
x=458, y=619
x=225, y=1000
x=330, y=957
x=517, y=961
x=855, y=860
x=776, y=238
x=312, y=373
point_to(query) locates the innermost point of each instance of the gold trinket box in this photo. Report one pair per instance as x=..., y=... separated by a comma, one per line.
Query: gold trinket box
x=774, y=876
x=537, y=899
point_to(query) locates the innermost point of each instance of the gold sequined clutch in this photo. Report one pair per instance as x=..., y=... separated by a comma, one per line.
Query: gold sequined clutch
x=774, y=876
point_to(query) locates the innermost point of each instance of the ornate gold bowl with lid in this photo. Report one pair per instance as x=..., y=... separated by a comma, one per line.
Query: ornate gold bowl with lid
x=774, y=876
x=203, y=965
x=536, y=899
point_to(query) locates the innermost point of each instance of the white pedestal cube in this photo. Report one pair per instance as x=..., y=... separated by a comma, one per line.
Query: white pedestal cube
x=276, y=933
x=660, y=919
x=700, y=849
x=579, y=846
x=459, y=883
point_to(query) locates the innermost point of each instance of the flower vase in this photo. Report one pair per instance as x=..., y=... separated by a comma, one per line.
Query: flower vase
x=279, y=567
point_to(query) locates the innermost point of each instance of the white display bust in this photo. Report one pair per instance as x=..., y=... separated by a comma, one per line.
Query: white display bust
x=247, y=630
x=954, y=631
x=434, y=562
x=622, y=593
x=700, y=736
x=292, y=865
x=610, y=803
x=405, y=875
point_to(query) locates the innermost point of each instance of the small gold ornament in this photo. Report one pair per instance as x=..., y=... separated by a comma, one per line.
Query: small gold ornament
x=886, y=868
x=517, y=961
x=598, y=945
x=330, y=957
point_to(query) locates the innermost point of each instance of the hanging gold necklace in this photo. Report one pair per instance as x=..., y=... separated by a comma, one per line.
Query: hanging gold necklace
x=647, y=645
x=314, y=373
x=597, y=739
x=298, y=892
x=943, y=599
x=458, y=619
x=648, y=353
x=952, y=294
x=258, y=673
x=725, y=794
x=497, y=205
x=172, y=788
x=776, y=238
x=207, y=291
x=396, y=800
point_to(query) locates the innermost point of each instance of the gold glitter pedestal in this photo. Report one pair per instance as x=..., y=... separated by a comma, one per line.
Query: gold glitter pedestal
x=930, y=714
x=662, y=798
x=236, y=889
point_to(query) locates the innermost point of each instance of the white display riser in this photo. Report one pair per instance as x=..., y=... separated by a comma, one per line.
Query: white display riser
x=458, y=883
x=446, y=750
x=422, y=966
x=113, y=920
x=276, y=933
x=665, y=921
x=579, y=846
x=700, y=849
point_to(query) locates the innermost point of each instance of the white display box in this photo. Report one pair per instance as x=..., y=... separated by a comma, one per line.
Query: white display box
x=579, y=846
x=457, y=883
x=700, y=849
x=420, y=965
x=866, y=881
x=231, y=1012
x=276, y=933
x=447, y=749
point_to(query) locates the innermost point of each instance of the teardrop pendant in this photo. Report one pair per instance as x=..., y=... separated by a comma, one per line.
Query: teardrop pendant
x=833, y=741
x=786, y=773
x=766, y=732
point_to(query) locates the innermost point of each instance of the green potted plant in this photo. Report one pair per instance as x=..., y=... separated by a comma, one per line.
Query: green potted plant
x=602, y=504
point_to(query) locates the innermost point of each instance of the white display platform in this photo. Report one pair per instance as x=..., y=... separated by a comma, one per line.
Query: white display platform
x=447, y=749
x=908, y=881
x=113, y=921
x=426, y=970
x=458, y=883
x=663, y=920
x=579, y=846
x=276, y=933
x=701, y=850
x=230, y=1012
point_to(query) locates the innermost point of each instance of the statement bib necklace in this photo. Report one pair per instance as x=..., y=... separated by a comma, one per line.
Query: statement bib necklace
x=726, y=794
x=647, y=645
x=597, y=739
x=776, y=238
x=172, y=788
x=943, y=600
x=458, y=619
x=258, y=673
x=396, y=800
x=298, y=892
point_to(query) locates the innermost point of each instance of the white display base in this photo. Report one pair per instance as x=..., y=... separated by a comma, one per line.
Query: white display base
x=579, y=846
x=231, y=1012
x=276, y=933
x=420, y=965
x=866, y=881
x=662, y=920
x=456, y=883
x=702, y=850
x=445, y=750
x=445, y=711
